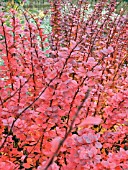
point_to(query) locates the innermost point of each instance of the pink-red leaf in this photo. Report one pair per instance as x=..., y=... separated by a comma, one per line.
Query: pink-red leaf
x=91, y=121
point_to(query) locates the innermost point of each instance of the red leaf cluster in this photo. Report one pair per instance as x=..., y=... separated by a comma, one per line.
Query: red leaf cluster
x=65, y=108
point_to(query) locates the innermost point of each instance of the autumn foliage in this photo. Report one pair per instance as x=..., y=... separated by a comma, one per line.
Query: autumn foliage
x=66, y=107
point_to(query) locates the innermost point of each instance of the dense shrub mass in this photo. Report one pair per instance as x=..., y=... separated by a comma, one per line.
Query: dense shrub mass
x=65, y=107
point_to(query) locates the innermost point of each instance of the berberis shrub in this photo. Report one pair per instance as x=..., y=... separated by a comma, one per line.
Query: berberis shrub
x=66, y=107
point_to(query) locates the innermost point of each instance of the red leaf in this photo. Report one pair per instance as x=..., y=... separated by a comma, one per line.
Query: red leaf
x=108, y=50
x=55, y=142
x=91, y=121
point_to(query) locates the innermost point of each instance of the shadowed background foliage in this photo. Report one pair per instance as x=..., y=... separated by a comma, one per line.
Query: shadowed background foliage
x=44, y=4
